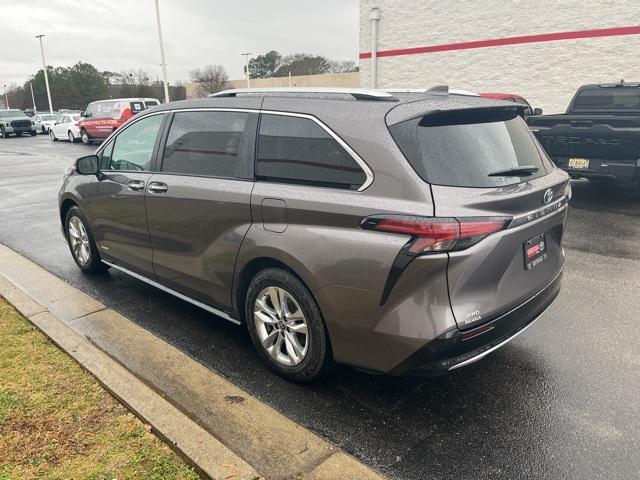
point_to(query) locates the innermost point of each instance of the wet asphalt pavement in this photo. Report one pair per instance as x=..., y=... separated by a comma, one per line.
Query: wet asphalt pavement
x=560, y=401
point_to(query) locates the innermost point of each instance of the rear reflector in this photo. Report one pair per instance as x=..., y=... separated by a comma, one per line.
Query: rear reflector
x=437, y=234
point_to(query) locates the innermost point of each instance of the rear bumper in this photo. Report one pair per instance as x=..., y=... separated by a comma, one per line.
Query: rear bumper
x=456, y=348
x=622, y=171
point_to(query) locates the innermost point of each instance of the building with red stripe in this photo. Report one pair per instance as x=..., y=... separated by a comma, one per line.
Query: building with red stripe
x=543, y=50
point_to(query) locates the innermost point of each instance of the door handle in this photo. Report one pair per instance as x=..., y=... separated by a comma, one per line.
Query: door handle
x=135, y=185
x=157, y=187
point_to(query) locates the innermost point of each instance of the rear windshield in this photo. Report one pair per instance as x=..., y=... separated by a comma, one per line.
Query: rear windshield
x=462, y=149
x=602, y=99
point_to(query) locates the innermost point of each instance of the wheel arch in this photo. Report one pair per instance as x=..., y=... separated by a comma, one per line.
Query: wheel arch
x=65, y=206
x=270, y=258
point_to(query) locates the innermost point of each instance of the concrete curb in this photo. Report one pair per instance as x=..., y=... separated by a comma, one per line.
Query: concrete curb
x=185, y=403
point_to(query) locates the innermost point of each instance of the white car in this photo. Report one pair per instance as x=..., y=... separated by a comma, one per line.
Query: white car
x=44, y=121
x=66, y=128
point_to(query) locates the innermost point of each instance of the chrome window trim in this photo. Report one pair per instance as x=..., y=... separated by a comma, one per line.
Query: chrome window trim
x=181, y=296
x=361, y=163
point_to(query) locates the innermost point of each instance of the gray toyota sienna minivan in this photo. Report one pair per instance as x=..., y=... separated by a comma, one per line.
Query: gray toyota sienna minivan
x=394, y=232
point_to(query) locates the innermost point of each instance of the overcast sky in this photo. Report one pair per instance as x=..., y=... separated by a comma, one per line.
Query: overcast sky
x=120, y=35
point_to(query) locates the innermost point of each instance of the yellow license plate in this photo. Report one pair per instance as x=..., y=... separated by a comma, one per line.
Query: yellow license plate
x=579, y=163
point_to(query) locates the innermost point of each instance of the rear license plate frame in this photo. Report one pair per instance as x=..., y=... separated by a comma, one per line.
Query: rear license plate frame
x=535, y=251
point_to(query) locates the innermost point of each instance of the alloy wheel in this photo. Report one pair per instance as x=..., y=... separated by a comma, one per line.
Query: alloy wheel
x=71, y=137
x=79, y=240
x=281, y=326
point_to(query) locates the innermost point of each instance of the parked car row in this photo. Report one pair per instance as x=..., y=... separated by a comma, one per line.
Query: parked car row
x=95, y=124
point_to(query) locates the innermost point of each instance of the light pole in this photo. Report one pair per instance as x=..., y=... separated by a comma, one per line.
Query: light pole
x=32, y=96
x=164, y=63
x=46, y=77
x=247, y=55
x=6, y=97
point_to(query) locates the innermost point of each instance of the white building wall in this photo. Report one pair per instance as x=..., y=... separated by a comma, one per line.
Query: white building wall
x=546, y=73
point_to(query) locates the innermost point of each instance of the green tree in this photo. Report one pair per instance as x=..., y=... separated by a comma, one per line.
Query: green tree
x=264, y=66
x=303, y=64
x=71, y=87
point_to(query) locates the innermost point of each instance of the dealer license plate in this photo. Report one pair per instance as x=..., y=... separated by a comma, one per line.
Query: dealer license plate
x=535, y=251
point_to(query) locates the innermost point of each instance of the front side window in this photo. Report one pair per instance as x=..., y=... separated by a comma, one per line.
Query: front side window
x=105, y=156
x=206, y=144
x=133, y=147
x=298, y=150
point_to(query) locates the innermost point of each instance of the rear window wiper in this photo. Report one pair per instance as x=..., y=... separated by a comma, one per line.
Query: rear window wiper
x=524, y=170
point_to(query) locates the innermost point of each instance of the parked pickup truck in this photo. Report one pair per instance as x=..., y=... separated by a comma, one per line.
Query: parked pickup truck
x=599, y=135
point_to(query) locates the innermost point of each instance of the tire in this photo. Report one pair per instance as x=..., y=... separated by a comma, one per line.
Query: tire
x=77, y=229
x=52, y=135
x=44, y=130
x=71, y=137
x=84, y=136
x=276, y=338
x=3, y=133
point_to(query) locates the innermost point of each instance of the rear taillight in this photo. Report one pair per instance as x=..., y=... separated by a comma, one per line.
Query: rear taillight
x=435, y=235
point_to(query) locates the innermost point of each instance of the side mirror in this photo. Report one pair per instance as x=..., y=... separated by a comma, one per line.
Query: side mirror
x=85, y=114
x=87, y=165
x=537, y=111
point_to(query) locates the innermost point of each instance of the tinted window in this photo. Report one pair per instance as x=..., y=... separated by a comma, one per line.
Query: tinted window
x=206, y=143
x=134, y=145
x=609, y=98
x=298, y=150
x=151, y=103
x=105, y=156
x=460, y=149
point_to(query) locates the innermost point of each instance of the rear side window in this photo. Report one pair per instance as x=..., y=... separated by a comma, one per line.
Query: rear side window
x=298, y=150
x=206, y=144
x=607, y=99
x=462, y=149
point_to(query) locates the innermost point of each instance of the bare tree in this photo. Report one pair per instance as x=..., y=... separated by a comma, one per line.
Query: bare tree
x=342, y=66
x=210, y=79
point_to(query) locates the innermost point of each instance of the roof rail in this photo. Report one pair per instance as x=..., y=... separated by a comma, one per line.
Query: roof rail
x=357, y=93
x=437, y=90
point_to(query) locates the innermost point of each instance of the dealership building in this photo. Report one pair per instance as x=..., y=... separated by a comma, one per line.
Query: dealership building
x=543, y=50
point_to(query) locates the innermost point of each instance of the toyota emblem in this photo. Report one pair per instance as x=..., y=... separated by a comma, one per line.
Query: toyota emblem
x=548, y=195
